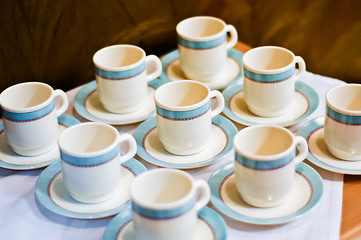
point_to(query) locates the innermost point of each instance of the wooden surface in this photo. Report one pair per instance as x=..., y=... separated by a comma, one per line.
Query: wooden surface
x=351, y=208
x=351, y=203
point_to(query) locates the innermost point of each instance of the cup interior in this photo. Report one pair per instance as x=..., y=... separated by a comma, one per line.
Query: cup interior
x=25, y=95
x=200, y=27
x=267, y=58
x=181, y=94
x=346, y=97
x=118, y=56
x=87, y=138
x=161, y=187
x=261, y=141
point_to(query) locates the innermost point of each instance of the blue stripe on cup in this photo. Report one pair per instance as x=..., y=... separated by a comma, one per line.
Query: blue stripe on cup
x=28, y=116
x=342, y=118
x=120, y=75
x=269, y=78
x=183, y=115
x=90, y=161
x=265, y=165
x=202, y=44
x=163, y=214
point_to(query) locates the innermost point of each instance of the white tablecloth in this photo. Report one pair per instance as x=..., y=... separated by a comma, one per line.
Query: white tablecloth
x=23, y=217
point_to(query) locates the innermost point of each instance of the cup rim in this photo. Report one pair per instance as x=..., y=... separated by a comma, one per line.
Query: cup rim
x=3, y=96
x=200, y=39
x=270, y=71
x=162, y=206
x=88, y=154
x=107, y=48
x=337, y=108
x=264, y=157
x=181, y=108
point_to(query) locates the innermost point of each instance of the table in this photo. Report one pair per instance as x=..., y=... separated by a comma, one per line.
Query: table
x=200, y=173
x=322, y=222
x=17, y=222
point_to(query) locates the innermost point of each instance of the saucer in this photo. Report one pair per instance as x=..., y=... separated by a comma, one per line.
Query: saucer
x=210, y=225
x=52, y=194
x=231, y=74
x=318, y=154
x=151, y=150
x=88, y=105
x=11, y=160
x=306, y=193
x=304, y=103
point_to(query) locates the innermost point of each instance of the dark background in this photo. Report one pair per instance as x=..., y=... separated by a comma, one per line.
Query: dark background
x=53, y=41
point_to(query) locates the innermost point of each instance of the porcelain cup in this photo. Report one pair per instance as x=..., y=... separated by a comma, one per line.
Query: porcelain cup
x=91, y=160
x=165, y=203
x=30, y=117
x=265, y=160
x=184, y=115
x=343, y=122
x=269, y=76
x=121, y=76
x=203, y=45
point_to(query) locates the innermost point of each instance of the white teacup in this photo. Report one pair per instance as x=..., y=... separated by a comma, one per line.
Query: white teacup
x=121, y=76
x=265, y=163
x=343, y=122
x=202, y=45
x=269, y=76
x=165, y=203
x=91, y=160
x=30, y=117
x=184, y=115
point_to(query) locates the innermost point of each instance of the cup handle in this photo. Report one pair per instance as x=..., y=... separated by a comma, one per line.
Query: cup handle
x=64, y=101
x=301, y=67
x=204, y=194
x=157, y=67
x=220, y=103
x=302, y=153
x=132, y=146
x=234, y=36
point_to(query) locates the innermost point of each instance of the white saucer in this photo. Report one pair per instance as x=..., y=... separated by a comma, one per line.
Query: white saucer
x=88, y=105
x=231, y=74
x=11, y=160
x=318, y=154
x=210, y=226
x=52, y=194
x=306, y=193
x=304, y=103
x=151, y=150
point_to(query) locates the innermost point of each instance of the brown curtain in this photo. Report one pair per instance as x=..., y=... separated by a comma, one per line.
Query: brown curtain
x=53, y=41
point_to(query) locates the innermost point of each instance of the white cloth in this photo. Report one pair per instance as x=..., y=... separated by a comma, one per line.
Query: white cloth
x=23, y=217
